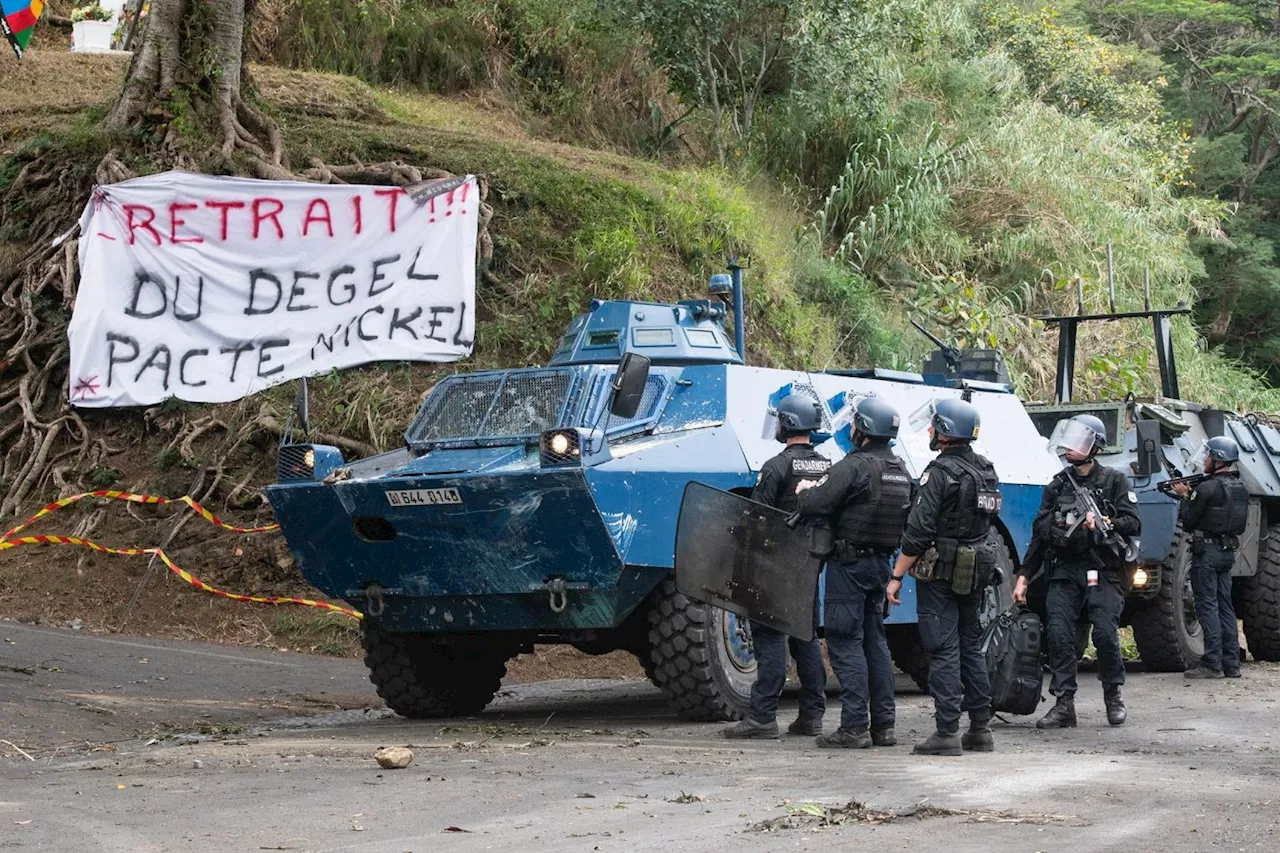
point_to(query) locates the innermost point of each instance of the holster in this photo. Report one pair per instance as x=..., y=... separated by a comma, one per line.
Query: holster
x=943, y=563
x=822, y=540
x=923, y=568
x=1197, y=543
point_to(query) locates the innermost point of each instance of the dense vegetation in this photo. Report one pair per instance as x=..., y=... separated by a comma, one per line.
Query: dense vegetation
x=963, y=161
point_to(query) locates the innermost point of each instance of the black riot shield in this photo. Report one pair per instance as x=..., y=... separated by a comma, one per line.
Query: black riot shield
x=740, y=556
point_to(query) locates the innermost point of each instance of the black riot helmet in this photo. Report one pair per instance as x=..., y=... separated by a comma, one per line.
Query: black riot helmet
x=798, y=415
x=1223, y=450
x=955, y=419
x=875, y=419
x=1081, y=438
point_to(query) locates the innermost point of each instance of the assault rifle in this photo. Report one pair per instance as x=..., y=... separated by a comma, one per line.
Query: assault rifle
x=1191, y=480
x=1122, y=547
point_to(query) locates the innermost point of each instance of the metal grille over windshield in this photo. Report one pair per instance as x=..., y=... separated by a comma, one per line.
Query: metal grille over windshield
x=509, y=405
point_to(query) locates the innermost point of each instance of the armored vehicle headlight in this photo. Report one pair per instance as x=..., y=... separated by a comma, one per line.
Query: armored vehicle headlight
x=560, y=447
x=1139, y=577
x=307, y=461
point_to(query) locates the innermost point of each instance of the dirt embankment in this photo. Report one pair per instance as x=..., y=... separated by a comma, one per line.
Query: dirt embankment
x=223, y=455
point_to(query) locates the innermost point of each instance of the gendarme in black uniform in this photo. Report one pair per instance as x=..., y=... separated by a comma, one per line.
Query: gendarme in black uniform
x=1068, y=557
x=958, y=497
x=776, y=486
x=864, y=498
x=1216, y=514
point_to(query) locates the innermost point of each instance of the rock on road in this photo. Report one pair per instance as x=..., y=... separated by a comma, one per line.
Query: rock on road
x=144, y=745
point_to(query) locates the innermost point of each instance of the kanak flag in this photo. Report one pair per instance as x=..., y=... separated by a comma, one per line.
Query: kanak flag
x=18, y=21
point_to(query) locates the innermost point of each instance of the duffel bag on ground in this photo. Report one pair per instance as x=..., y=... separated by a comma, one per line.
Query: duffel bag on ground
x=1011, y=644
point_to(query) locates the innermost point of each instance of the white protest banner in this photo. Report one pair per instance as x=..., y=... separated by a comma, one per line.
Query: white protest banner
x=209, y=289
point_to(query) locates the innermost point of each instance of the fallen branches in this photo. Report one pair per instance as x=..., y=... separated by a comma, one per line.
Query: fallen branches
x=816, y=815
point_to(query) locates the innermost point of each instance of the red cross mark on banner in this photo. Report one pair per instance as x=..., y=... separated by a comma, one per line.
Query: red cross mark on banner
x=86, y=387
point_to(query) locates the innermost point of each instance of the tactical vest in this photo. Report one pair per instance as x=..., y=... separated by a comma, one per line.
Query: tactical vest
x=1229, y=511
x=879, y=521
x=968, y=519
x=802, y=464
x=1066, y=515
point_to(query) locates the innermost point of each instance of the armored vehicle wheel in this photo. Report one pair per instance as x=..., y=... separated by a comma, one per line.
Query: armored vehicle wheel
x=420, y=676
x=1165, y=629
x=1260, y=600
x=904, y=640
x=701, y=656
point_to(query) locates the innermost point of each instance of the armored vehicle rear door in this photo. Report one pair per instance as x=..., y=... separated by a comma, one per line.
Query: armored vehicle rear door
x=740, y=556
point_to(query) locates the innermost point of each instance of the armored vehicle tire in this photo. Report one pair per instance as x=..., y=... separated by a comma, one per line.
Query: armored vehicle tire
x=700, y=656
x=904, y=640
x=422, y=676
x=1165, y=629
x=1260, y=600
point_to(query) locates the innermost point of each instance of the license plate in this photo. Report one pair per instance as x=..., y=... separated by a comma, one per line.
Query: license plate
x=424, y=497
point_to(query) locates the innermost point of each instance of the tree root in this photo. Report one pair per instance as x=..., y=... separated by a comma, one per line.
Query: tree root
x=43, y=441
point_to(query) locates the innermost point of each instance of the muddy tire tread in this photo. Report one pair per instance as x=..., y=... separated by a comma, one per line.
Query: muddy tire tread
x=462, y=680
x=681, y=662
x=1155, y=625
x=1260, y=601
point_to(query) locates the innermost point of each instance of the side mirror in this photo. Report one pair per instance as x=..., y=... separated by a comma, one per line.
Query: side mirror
x=628, y=385
x=1150, y=458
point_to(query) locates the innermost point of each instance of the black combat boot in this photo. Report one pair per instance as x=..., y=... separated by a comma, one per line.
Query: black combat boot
x=1115, y=704
x=940, y=743
x=1061, y=716
x=749, y=728
x=979, y=737
x=1201, y=671
x=884, y=737
x=845, y=739
x=805, y=726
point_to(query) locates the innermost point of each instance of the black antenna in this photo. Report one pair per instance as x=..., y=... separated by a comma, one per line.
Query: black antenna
x=1111, y=281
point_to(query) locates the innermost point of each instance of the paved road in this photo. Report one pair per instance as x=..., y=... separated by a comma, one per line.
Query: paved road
x=578, y=765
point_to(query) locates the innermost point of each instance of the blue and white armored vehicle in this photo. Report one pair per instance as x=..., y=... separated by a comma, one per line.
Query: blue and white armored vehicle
x=540, y=505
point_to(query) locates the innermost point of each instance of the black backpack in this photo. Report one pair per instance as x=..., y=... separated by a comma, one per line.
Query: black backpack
x=1011, y=644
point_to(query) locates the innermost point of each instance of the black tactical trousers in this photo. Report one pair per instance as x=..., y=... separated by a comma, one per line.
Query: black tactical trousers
x=951, y=635
x=770, y=649
x=1211, y=578
x=854, y=620
x=1104, y=602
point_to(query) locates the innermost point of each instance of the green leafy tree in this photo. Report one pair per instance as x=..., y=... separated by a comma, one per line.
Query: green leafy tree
x=729, y=56
x=1227, y=56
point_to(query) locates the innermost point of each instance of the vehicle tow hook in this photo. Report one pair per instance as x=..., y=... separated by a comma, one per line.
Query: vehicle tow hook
x=558, y=595
x=374, y=605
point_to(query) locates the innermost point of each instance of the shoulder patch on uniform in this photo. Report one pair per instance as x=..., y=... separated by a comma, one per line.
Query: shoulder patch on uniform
x=924, y=478
x=1193, y=494
x=1133, y=498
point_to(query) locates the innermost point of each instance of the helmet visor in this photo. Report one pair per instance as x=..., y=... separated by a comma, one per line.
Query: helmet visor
x=1072, y=437
x=1201, y=457
x=770, y=429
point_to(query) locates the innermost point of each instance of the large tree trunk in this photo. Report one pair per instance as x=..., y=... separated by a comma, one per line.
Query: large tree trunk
x=188, y=79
